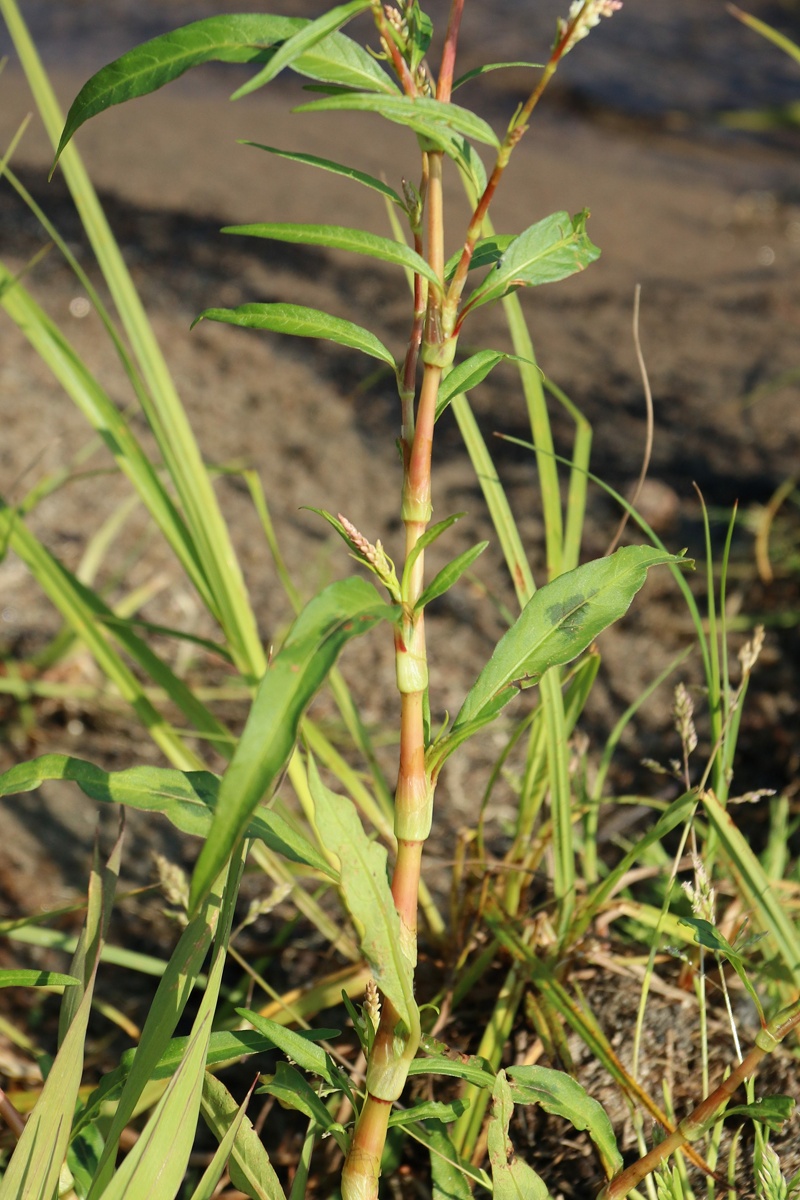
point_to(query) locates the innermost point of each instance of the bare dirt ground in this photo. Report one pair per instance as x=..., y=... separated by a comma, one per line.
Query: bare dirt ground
x=709, y=226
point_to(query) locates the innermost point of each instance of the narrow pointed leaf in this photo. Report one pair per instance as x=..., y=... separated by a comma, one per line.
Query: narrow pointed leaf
x=186, y=798
x=300, y=42
x=366, y=891
x=556, y=625
x=473, y=1070
x=327, y=164
x=487, y=67
x=238, y=38
x=429, y=1110
x=294, y=1091
x=429, y=118
x=299, y=321
x=548, y=251
x=35, y=1165
x=300, y=1048
x=338, y=237
x=207, y=1187
x=249, y=1166
x=467, y=375
x=444, y=580
x=431, y=534
x=448, y=1178
x=342, y=611
x=26, y=978
x=560, y=1094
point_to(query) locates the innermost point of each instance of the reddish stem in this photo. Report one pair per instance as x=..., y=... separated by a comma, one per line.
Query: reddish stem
x=444, y=88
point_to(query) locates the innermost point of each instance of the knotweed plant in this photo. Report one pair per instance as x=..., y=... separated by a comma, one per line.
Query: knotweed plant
x=455, y=270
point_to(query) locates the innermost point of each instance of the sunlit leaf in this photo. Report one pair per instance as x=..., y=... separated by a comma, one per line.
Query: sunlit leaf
x=513, y=1179
x=429, y=118
x=249, y=1166
x=294, y=1091
x=555, y=626
x=341, y=611
x=548, y=251
x=186, y=798
x=366, y=892
x=486, y=253
x=238, y=38
x=300, y=1047
x=327, y=164
x=444, y=580
x=24, y=978
x=338, y=237
x=487, y=67
x=467, y=375
x=304, y=40
x=560, y=1094
x=299, y=321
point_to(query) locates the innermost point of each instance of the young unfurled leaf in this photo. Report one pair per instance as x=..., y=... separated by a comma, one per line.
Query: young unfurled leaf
x=444, y=580
x=555, y=626
x=299, y=321
x=341, y=611
x=366, y=891
x=338, y=237
x=238, y=38
x=304, y=40
x=550, y=250
x=430, y=118
x=186, y=798
x=327, y=164
x=556, y=1092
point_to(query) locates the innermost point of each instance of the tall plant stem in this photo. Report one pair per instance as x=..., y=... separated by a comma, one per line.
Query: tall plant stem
x=395, y=1046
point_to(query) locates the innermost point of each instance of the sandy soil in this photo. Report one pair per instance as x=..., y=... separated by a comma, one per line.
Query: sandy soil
x=709, y=227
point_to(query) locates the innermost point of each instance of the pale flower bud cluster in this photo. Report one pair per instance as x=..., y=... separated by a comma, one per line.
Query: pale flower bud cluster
x=582, y=17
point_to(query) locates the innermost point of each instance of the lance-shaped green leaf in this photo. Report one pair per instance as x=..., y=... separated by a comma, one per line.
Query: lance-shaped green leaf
x=340, y=62
x=327, y=164
x=186, y=798
x=487, y=67
x=300, y=1047
x=427, y=539
x=249, y=1166
x=429, y=1110
x=26, y=978
x=512, y=1178
x=709, y=936
x=444, y=580
x=366, y=891
x=304, y=40
x=467, y=375
x=555, y=626
x=341, y=611
x=772, y=1111
x=548, y=251
x=238, y=38
x=339, y=237
x=429, y=118
x=35, y=1165
x=299, y=321
x=560, y=1094
x=472, y=1069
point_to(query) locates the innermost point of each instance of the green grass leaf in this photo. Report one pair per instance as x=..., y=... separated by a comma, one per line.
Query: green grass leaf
x=21, y=978
x=339, y=237
x=35, y=1166
x=557, y=623
x=238, y=38
x=186, y=798
x=299, y=321
x=327, y=164
x=249, y=1166
x=365, y=887
x=342, y=611
x=552, y=249
x=207, y=1187
x=304, y=40
x=560, y=1094
x=430, y=118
